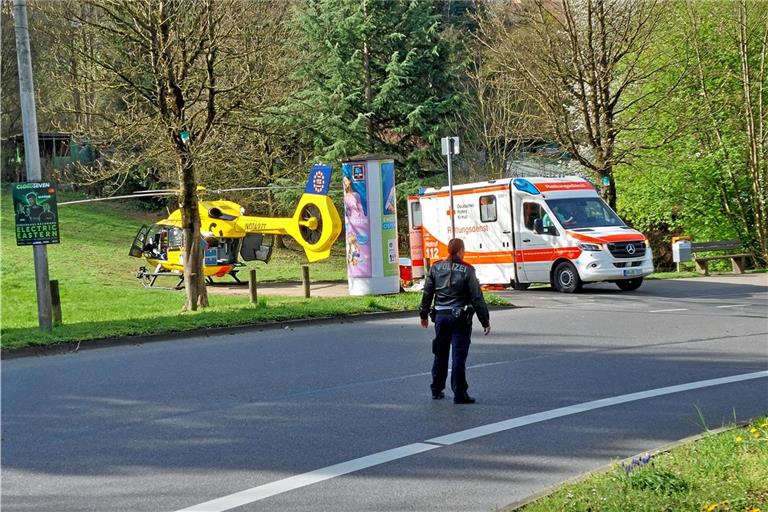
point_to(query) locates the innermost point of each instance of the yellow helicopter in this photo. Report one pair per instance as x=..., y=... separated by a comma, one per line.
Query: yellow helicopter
x=228, y=235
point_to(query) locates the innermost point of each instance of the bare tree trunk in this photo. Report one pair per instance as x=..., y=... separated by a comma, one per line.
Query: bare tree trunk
x=194, y=278
x=754, y=128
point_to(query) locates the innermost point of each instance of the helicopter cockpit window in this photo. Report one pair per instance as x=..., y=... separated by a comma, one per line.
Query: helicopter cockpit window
x=156, y=242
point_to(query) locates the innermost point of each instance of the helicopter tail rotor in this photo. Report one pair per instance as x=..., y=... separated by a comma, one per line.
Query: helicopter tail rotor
x=316, y=225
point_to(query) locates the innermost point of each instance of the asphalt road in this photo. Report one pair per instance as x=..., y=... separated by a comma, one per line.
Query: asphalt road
x=171, y=425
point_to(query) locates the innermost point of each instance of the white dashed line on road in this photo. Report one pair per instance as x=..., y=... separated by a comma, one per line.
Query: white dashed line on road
x=668, y=310
x=261, y=492
x=732, y=306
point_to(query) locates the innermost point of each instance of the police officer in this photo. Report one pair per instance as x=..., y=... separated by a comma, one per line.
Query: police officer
x=453, y=285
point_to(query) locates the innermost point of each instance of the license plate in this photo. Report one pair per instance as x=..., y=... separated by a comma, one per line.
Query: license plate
x=632, y=272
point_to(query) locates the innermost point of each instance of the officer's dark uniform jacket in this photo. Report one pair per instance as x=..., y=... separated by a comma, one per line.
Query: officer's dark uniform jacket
x=454, y=285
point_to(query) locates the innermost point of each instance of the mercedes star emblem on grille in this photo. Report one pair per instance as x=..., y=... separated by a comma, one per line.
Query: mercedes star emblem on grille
x=630, y=249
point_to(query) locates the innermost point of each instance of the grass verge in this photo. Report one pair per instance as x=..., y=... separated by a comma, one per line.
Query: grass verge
x=722, y=472
x=691, y=273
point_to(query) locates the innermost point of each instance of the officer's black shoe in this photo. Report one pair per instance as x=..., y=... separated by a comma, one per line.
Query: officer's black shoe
x=438, y=396
x=466, y=399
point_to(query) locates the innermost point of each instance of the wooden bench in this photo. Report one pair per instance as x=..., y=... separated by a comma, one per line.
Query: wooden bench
x=737, y=259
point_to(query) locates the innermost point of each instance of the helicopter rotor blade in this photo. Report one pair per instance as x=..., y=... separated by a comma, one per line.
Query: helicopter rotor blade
x=132, y=196
x=219, y=190
x=151, y=192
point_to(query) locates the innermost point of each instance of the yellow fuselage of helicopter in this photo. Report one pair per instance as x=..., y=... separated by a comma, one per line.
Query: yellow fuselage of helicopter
x=224, y=219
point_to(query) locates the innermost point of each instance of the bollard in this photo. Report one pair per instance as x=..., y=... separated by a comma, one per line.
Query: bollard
x=305, y=279
x=252, y=287
x=55, y=302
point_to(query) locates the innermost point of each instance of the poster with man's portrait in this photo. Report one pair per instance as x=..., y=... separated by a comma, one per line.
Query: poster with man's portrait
x=36, y=214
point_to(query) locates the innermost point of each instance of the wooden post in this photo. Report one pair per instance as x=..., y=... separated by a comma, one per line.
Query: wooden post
x=252, y=287
x=305, y=279
x=55, y=302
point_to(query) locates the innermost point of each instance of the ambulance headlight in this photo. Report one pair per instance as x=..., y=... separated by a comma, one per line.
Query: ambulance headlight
x=590, y=247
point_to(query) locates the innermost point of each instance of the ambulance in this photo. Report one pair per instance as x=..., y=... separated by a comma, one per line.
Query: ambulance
x=519, y=231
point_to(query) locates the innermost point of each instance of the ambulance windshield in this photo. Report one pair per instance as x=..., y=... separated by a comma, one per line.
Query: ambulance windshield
x=583, y=212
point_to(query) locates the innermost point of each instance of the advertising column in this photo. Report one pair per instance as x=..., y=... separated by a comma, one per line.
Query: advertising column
x=370, y=220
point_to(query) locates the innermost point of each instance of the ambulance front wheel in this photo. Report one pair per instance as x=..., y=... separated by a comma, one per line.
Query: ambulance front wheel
x=628, y=285
x=566, y=278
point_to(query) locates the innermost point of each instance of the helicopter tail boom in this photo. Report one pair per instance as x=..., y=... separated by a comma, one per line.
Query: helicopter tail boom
x=315, y=224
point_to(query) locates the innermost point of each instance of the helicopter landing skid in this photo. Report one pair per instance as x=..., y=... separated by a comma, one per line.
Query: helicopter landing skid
x=148, y=278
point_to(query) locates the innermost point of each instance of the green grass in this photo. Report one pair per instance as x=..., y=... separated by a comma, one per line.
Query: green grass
x=692, y=273
x=723, y=472
x=101, y=297
x=155, y=315
x=674, y=275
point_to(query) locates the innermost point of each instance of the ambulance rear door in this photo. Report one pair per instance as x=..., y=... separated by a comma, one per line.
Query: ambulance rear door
x=415, y=236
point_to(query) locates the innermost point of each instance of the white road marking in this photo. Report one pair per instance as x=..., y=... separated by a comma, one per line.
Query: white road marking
x=493, y=428
x=731, y=306
x=668, y=310
x=295, y=482
x=261, y=492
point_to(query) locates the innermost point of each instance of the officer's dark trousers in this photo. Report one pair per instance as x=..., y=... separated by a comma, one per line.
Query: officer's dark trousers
x=450, y=333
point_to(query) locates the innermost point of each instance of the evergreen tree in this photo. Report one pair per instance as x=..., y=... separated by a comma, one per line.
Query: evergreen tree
x=377, y=78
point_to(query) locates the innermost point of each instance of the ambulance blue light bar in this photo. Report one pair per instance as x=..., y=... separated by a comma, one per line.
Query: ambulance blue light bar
x=525, y=186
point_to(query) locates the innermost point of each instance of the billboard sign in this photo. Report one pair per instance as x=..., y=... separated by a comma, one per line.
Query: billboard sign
x=37, y=217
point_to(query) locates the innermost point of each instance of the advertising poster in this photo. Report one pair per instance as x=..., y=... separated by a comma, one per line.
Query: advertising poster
x=356, y=219
x=389, y=219
x=37, y=217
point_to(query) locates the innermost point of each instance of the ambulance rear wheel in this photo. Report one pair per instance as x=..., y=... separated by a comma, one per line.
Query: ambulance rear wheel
x=520, y=286
x=628, y=285
x=566, y=279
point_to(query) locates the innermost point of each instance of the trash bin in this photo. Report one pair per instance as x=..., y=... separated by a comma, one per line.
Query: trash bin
x=406, y=271
x=681, y=249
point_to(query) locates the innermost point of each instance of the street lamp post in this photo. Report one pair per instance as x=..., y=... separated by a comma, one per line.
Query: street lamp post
x=450, y=147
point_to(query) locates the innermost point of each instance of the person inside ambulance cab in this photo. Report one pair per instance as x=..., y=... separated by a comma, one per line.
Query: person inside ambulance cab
x=564, y=215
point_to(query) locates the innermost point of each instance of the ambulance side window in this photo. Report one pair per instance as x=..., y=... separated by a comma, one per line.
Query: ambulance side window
x=416, y=214
x=488, y=209
x=531, y=212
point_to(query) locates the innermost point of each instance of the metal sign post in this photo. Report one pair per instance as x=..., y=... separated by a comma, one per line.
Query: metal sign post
x=450, y=147
x=32, y=154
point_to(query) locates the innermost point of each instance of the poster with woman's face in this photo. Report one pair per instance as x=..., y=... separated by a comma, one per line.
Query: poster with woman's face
x=356, y=219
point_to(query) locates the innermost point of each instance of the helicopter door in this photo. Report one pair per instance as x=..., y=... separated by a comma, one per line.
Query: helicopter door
x=137, y=247
x=255, y=247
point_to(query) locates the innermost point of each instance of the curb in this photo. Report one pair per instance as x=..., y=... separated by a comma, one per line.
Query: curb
x=69, y=347
x=517, y=505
